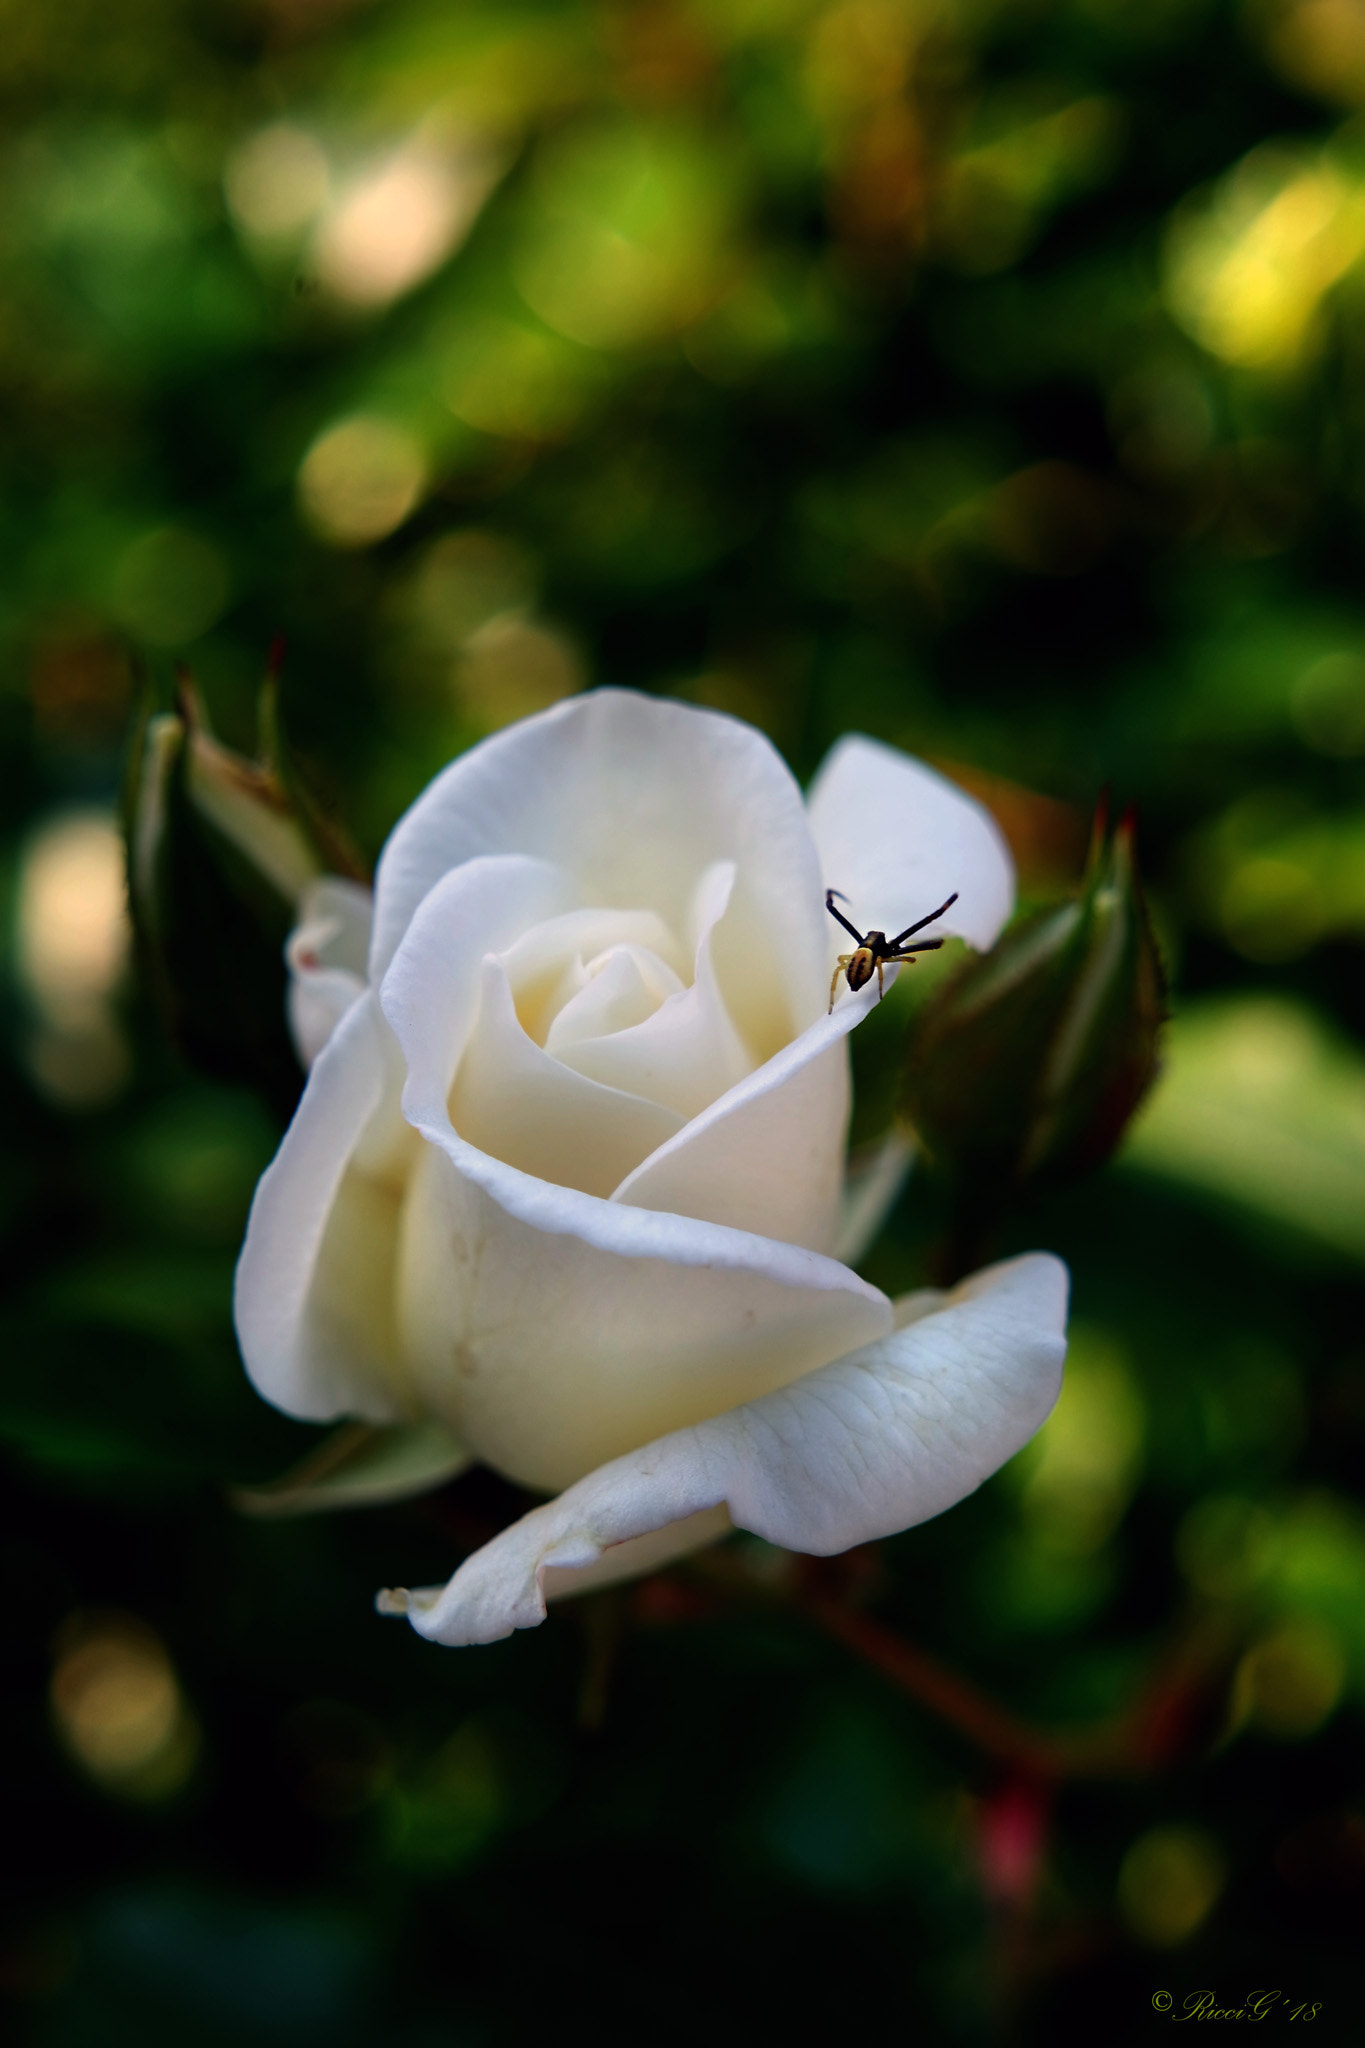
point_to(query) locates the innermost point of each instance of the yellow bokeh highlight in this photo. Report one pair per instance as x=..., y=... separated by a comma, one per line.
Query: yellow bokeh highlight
x=463, y=580
x=1319, y=45
x=1085, y=1462
x=1169, y=1882
x=119, y=1709
x=276, y=182
x=1291, y=1679
x=360, y=480
x=1275, y=874
x=72, y=943
x=1248, y=265
x=399, y=217
x=512, y=667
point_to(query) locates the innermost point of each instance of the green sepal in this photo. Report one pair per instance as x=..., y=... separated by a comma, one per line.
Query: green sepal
x=220, y=851
x=359, y=1466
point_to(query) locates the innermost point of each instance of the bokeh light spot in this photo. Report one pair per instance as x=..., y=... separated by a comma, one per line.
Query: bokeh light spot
x=72, y=945
x=1086, y=1459
x=1291, y=1680
x=512, y=667
x=276, y=181
x=1271, y=909
x=360, y=480
x=1248, y=265
x=170, y=586
x=1169, y=1882
x=119, y=1709
x=1320, y=45
x=464, y=580
x=505, y=378
x=399, y=219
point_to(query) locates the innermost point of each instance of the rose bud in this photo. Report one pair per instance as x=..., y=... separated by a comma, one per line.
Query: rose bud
x=565, y=1191
x=220, y=853
x=1026, y=1066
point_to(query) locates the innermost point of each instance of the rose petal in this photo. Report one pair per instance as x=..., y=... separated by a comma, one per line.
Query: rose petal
x=542, y=964
x=521, y=1105
x=625, y=988
x=898, y=839
x=769, y=1155
x=314, y=1291
x=550, y=1330
x=431, y=992
x=687, y=1052
x=636, y=797
x=641, y=1554
x=326, y=960
x=875, y=1442
x=317, y=1279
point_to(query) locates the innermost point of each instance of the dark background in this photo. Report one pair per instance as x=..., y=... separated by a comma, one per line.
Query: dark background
x=985, y=375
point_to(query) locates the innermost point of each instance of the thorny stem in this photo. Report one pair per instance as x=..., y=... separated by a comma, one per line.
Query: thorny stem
x=944, y=1692
x=1168, y=1715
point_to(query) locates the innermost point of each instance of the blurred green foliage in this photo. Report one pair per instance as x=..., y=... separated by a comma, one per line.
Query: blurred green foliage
x=990, y=377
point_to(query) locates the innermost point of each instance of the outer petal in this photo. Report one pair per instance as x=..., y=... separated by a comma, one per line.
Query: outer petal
x=875, y=1442
x=636, y=797
x=898, y=839
x=316, y=1282
x=550, y=1330
x=326, y=959
x=314, y=1292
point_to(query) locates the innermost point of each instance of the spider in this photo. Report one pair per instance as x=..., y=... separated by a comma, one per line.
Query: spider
x=875, y=950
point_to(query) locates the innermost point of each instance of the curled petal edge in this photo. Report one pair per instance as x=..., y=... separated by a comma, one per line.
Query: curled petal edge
x=873, y=1443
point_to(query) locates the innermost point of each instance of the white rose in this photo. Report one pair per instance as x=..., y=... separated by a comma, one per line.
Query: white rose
x=564, y=1187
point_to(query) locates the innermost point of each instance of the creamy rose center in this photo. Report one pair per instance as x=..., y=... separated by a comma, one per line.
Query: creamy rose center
x=598, y=1035
x=593, y=972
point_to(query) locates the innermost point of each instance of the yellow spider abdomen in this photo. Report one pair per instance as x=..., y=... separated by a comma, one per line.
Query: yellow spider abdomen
x=861, y=967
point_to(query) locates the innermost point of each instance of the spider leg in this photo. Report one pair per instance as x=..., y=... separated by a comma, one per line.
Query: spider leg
x=842, y=968
x=908, y=952
x=881, y=985
x=898, y=942
x=851, y=929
